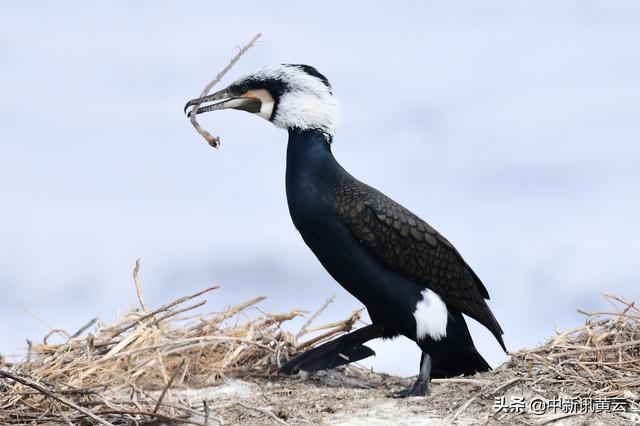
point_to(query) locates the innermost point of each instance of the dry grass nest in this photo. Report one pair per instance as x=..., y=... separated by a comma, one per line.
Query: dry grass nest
x=129, y=372
x=600, y=359
x=596, y=363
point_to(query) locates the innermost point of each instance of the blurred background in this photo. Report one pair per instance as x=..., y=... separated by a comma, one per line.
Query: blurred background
x=511, y=127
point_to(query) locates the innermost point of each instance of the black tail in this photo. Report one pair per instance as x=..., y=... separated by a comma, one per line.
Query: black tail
x=326, y=357
x=482, y=313
x=343, y=350
x=464, y=363
x=456, y=354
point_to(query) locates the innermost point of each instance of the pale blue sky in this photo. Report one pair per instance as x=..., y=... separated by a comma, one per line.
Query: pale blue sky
x=511, y=127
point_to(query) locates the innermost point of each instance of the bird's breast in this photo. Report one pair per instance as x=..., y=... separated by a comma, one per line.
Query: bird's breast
x=310, y=206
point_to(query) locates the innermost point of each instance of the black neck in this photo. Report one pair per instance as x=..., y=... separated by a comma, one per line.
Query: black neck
x=309, y=156
x=312, y=171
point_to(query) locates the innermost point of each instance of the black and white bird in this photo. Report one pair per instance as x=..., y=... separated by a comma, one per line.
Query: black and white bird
x=411, y=279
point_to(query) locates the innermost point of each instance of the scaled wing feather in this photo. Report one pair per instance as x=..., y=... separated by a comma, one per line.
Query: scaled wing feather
x=405, y=243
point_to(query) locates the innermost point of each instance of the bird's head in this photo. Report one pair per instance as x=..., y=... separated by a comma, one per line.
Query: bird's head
x=291, y=96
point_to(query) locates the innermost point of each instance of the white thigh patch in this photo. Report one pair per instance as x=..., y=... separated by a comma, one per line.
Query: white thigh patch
x=431, y=316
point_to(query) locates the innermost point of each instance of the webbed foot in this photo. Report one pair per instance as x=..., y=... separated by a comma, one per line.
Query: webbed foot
x=419, y=388
x=421, y=385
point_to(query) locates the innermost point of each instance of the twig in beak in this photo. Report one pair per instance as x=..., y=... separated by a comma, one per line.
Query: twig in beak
x=214, y=141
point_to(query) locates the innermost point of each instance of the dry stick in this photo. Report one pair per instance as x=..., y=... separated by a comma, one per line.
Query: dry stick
x=64, y=416
x=84, y=328
x=600, y=313
x=166, y=388
x=263, y=411
x=164, y=308
x=171, y=405
x=55, y=331
x=463, y=408
x=462, y=381
x=313, y=317
x=179, y=311
x=33, y=385
x=136, y=280
x=29, y=353
x=238, y=308
x=345, y=326
x=337, y=323
x=594, y=349
x=214, y=141
x=229, y=313
x=504, y=386
x=35, y=317
x=612, y=299
x=189, y=343
x=165, y=418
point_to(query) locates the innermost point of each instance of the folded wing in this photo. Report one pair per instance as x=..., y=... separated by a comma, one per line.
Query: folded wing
x=403, y=242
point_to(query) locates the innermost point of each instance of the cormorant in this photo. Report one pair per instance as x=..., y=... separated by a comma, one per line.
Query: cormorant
x=411, y=279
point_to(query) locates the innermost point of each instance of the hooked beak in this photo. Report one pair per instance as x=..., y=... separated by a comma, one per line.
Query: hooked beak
x=246, y=102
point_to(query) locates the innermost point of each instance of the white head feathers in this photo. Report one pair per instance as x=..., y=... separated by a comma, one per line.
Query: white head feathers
x=294, y=96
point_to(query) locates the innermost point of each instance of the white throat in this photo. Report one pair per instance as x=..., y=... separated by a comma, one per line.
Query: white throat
x=308, y=110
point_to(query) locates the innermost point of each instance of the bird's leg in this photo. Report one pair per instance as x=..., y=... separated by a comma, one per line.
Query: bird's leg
x=343, y=350
x=421, y=386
